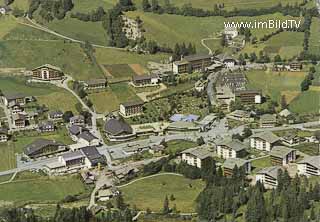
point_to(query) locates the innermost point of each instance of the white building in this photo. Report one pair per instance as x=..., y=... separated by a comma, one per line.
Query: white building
x=230, y=149
x=269, y=176
x=309, y=166
x=230, y=32
x=281, y=155
x=264, y=141
x=195, y=156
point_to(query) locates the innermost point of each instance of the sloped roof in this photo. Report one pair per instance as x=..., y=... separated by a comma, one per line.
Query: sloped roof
x=86, y=135
x=267, y=136
x=93, y=155
x=200, y=152
x=39, y=144
x=116, y=127
x=280, y=151
x=48, y=66
x=12, y=96
x=271, y=171
x=312, y=160
x=235, y=145
x=230, y=163
x=95, y=81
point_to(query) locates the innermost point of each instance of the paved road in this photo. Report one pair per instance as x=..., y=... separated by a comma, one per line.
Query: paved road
x=212, y=78
x=301, y=126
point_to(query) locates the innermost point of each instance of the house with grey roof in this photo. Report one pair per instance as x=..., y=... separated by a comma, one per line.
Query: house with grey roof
x=55, y=115
x=231, y=163
x=46, y=127
x=93, y=156
x=47, y=72
x=77, y=120
x=4, y=135
x=132, y=108
x=229, y=148
x=309, y=166
x=264, y=141
x=192, y=63
x=268, y=121
x=145, y=80
x=182, y=126
x=19, y=120
x=118, y=130
x=93, y=84
x=43, y=147
x=11, y=99
x=269, y=176
x=88, y=139
x=281, y=155
x=196, y=155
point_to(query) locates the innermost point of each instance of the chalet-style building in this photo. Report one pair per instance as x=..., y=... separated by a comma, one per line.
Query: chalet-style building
x=295, y=66
x=264, y=141
x=230, y=149
x=43, y=147
x=145, y=80
x=47, y=72
x=196, y=155
x=130, y=109
x=15, y=109
x=249, y=97
x=93, y=156
x=291, y=139
x=93, y=84
x=207, y=122
x=88, y=139
x=239, y=115
x=75, y=131
x=12, y=99
x=228, y=61
x=269, y=176
x=3, y=135
x=107, y=194
x=268, y=121
x=55, y=115
x=192, y=63
x=118, y=130
x=309, y=166
x=19, y=120
x=77, y=120
x=281, y=155
x=46, y=127
x=231, y=163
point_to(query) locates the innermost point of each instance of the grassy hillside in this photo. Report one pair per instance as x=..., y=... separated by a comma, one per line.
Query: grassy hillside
x=306, y=102
x=314, y=41
x=276, y=84
x=171, y=29
x=69, y=56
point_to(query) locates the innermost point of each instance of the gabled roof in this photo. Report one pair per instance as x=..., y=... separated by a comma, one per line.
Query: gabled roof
x=73, y=155
x=75, y=130
x=116, y=127
x=39, y=144
x=271, y=171
x=93, y=155
x=46, y=124
x=95, y=81
x=230, y=163
x=267, y=136
x=86, y=135
x=12, y=96
x=200, y=152
x=132, y=103
x=55, y=113
x=311, y=160
x=280, y=151
x=48, y=66
x=235, y=145
x=268, y=118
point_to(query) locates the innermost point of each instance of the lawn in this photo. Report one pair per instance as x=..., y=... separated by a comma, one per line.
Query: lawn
x=110, y=99
x=68, y=56
x=41, y=189
x=311, y=149
x=177, y=146
x=276, y=84
x=286, y=44
x=114, y=56
x=151, y=192
x=7, y=23
x=171, y=29
x=5, y=178
x=314, y=40
x=47, y=94
x=306, y=102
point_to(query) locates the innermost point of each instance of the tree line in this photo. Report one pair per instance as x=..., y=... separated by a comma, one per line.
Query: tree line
x=50, y=9
x=188, y=10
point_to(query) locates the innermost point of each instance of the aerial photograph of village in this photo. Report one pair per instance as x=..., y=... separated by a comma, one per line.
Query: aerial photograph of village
x=160, y=110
